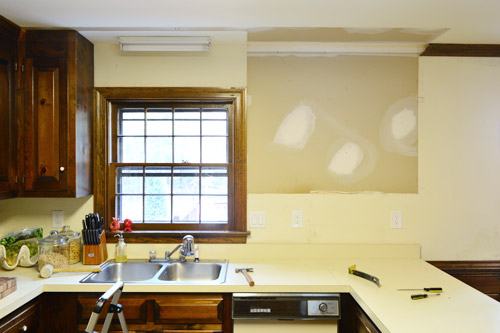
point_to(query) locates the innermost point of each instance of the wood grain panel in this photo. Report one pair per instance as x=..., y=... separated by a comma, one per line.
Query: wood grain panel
x=9, y=80
x=47, y=115
x=58, y=114
x=481, y=275
x=134, y=308
x=188, y=308
x=462, y=50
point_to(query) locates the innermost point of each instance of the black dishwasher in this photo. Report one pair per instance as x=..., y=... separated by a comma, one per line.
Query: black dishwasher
x=286, y=306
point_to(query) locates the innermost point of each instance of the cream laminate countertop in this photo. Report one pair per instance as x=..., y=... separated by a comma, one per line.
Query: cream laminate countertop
x=459, y=308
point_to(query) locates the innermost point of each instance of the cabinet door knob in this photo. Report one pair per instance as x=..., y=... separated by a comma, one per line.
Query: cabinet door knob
x=61, y=169
x=24, y=328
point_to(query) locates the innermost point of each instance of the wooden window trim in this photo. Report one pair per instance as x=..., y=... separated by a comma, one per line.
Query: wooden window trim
x=104, y=97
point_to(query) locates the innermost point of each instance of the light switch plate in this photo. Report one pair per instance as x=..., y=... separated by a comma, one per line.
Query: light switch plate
x=257, y=219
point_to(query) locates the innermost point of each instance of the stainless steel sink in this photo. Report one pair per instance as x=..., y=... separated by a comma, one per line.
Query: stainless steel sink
x=192, y=271
x=169, y=272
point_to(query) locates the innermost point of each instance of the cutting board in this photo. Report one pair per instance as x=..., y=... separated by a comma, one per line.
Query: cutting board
x=7, y=286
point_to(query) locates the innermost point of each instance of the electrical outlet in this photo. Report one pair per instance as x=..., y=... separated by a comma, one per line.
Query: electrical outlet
x=57, y=218
x=257, y=219
x=296, y=219
x=396, y=219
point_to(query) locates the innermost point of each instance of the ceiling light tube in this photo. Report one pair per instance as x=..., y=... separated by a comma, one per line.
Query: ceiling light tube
x=165, y=44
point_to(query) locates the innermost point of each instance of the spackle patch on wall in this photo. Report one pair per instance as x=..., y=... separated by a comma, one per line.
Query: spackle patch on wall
x=296, y=128
x=347, y=159
x=398, y=128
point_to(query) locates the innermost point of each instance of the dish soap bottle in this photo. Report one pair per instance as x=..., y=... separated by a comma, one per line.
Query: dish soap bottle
x=120, y=249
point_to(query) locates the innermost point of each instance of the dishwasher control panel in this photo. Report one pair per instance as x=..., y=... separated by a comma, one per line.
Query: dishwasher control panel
x=323, y=307
x=288, y=306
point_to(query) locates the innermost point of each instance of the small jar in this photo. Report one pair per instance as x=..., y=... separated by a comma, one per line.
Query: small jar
x=53, y=250
x=75, y=249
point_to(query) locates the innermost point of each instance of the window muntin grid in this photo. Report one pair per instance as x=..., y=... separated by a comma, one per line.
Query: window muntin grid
x=197, y=192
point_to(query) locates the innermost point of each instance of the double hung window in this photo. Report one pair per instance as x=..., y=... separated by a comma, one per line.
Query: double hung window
x=175, y=162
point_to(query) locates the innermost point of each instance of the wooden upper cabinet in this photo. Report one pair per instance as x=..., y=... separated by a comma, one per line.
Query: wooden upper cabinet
x=58, y=111
x=9, y=34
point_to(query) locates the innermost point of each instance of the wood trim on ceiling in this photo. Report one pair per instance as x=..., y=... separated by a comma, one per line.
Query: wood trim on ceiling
x=461, y=50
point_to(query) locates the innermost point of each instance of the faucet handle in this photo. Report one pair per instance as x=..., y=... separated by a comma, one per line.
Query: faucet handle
x=152, y=254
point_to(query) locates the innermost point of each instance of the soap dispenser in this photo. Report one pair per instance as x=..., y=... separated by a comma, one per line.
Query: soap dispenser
x=120, y=249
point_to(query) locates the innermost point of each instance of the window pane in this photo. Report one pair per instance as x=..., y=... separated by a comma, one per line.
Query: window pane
x=186, y=150
x=210, y=113
x=186, y=113
x=158, y=180
x=131, y=122
x=159, y=122
x=186, y=181
x=158, y=150
x=214, y=150
x=214, y=209
x=214, y=127
x=157, y=208
x=187, y=127
x=131, y=150
x=129, y=180
x=129, y=207
x=214, y=181
x=186, y=209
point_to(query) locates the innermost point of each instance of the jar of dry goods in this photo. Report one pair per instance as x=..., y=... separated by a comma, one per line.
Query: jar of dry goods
x=53, y=250
x=74, y=244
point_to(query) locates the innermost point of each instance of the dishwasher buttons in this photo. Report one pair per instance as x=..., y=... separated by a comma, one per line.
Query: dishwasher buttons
x=322, y=307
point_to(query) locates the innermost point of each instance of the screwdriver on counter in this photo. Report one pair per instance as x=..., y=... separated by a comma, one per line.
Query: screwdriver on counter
x=422, y=296
x=429, y=290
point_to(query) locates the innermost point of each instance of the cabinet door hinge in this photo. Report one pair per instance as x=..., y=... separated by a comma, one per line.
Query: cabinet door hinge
x=22, y=68
x=15, y=180
x=15, y=66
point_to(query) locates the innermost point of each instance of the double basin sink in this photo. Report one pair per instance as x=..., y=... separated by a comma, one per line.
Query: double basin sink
x=169, y=272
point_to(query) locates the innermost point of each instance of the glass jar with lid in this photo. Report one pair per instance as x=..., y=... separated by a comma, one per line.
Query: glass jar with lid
x=74, y=244
x=53, y=250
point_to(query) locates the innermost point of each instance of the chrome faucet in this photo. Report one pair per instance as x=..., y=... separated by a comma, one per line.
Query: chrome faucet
x=187, y=249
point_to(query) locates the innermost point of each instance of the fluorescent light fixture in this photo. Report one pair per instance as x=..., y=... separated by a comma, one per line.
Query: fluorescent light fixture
x=165, y=44
x=311, y=49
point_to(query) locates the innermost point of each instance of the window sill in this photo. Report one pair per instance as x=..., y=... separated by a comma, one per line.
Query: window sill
x=175, y=236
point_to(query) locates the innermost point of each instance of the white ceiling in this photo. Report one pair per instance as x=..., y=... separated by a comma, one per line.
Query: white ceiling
x=457, y=21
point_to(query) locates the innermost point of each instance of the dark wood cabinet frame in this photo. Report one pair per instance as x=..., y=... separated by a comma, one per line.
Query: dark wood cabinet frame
x=103, y=199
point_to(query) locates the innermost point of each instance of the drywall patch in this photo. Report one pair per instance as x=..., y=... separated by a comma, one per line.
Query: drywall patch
x=347, y=159
x=296, y=128
x=398, y=128
x=403, y=124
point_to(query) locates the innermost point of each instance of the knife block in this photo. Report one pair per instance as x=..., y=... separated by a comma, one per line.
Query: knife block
x=95, y=254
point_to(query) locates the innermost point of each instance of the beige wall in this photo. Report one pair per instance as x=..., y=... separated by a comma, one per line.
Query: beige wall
x=224, y=66
x=348, y=98
x=455, y=213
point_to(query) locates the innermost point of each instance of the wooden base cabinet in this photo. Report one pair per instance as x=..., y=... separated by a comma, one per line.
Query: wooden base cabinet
x=9, y=35
x=24, y=319
x=354, y=319
x=159, y=312
x=58, y=113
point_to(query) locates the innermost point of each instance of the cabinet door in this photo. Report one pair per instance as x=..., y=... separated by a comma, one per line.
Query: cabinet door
x=46, y=127
x=25, y=319
x=8, y=124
